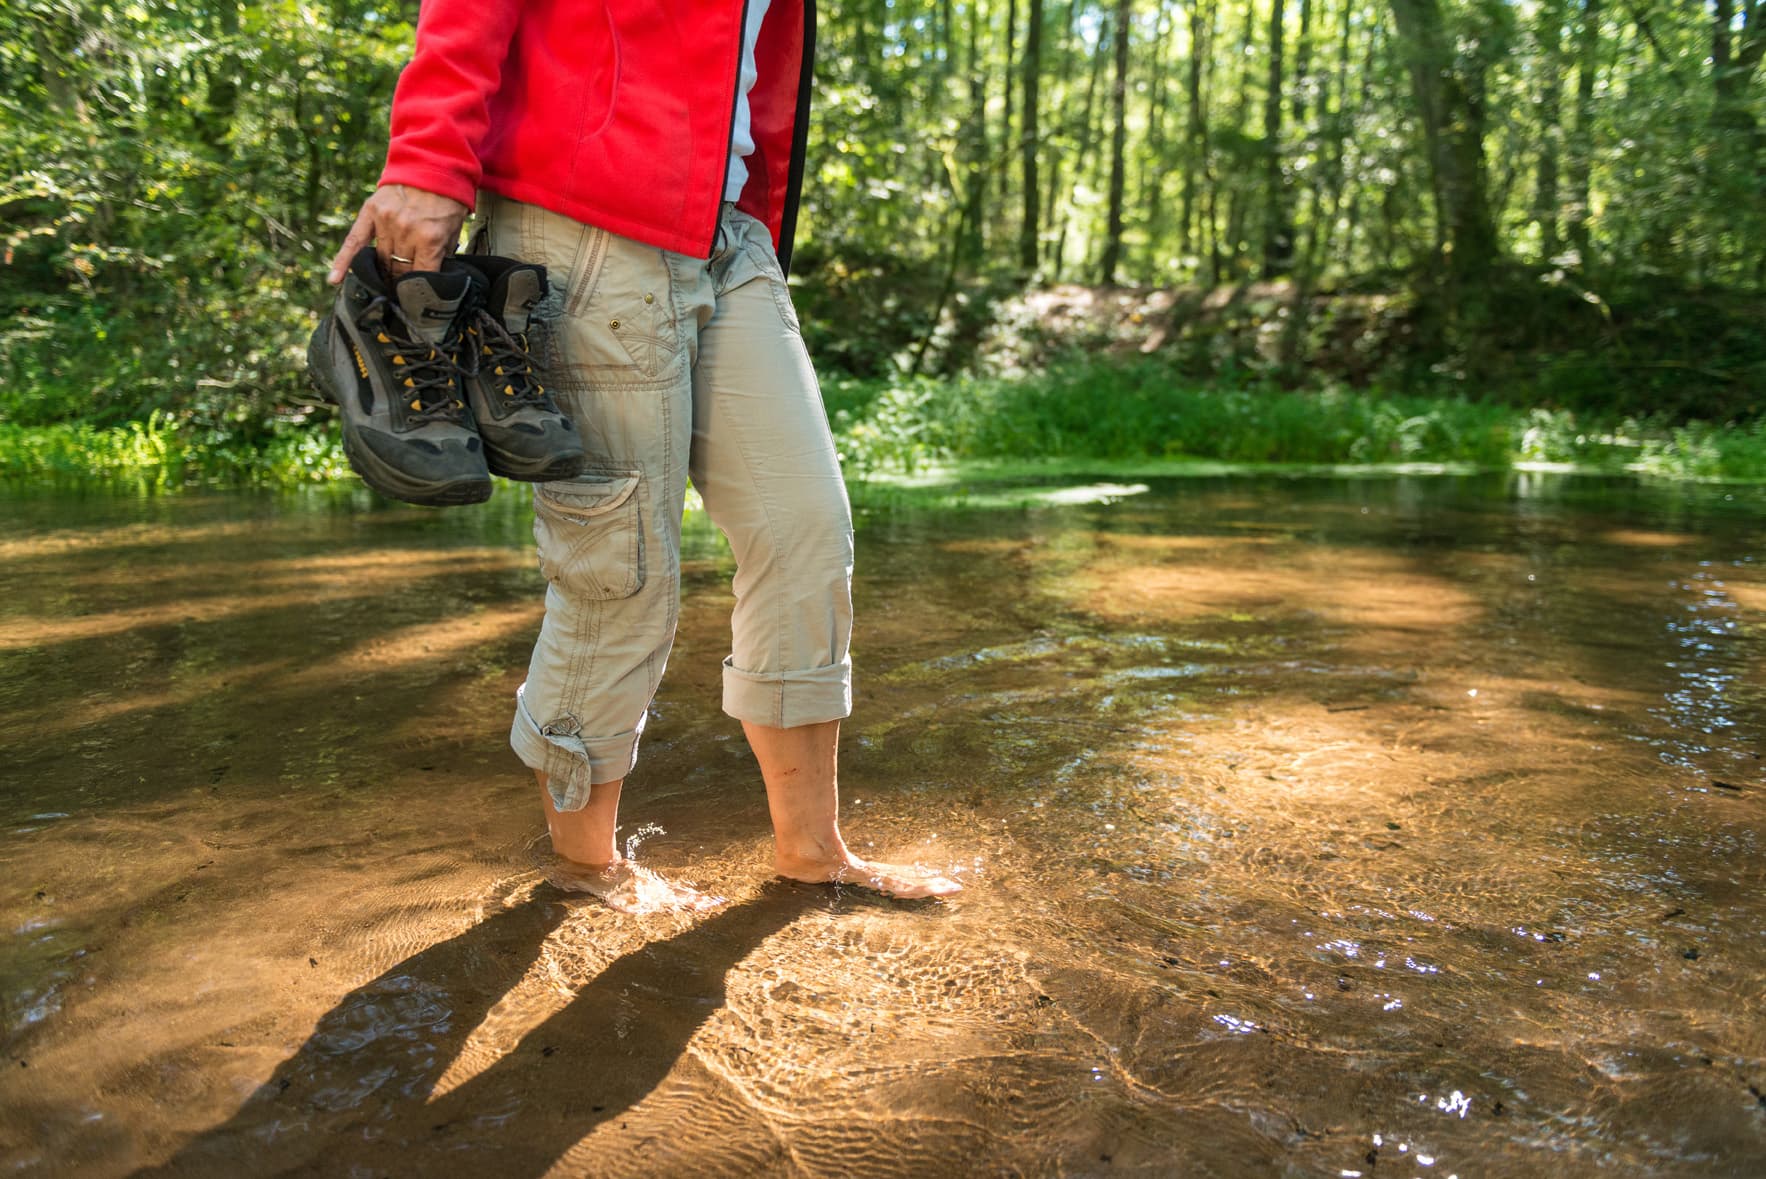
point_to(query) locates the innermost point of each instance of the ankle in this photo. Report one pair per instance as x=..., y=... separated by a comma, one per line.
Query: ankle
x=586, y=853
x=586, y=836
x=800, y=850
x=598, y=866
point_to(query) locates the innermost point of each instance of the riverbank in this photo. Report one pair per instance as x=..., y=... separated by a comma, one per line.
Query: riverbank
x=1134, y=413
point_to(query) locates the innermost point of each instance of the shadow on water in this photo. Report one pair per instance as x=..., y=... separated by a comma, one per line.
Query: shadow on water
x=107, y=646
x=358, y=1097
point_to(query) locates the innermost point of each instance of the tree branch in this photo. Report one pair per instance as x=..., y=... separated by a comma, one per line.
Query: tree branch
x=1753, y=38
x=1649, y=34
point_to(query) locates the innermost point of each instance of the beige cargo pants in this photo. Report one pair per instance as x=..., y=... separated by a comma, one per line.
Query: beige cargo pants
x=671, y=367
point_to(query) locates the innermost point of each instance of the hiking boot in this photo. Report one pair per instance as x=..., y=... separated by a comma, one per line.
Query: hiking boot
x=386, y=357
x=525, y=434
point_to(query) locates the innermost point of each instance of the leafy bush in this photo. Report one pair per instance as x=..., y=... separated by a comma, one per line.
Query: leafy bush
x=161, y=452
x=175, y=180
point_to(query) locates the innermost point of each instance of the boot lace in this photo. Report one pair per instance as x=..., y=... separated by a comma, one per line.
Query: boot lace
x=428, y=375
x=502, y=358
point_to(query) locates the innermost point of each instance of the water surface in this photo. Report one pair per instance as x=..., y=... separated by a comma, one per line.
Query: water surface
x=1313, y=826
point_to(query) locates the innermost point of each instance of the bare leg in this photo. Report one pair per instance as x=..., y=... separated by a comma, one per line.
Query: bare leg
x=800, y=768
x=589, y=859
x=585, y=837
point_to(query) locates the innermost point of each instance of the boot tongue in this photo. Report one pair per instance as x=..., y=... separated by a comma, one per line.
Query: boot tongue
x=432, y=300
x=515, y=294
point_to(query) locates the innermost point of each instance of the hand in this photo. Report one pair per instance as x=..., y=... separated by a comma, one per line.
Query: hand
x=398, y=219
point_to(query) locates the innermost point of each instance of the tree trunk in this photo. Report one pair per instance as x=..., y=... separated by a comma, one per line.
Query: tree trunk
x=1027, y=233
x=1238, y=196
x=1278, y=231
x=1152, y=175
x=1449, y=92
x=1090, y=121
x=1352, y=218
x=1055, y=212
x=1581, y=144
x=1006, y=117
x=1211, y=191
x=1325, y=190
x=1303, y=63
x=1118, y=146
x=1732, y=68
x=1551, y=131
x=215, y=122
x=973, y=248
x=1722, y=67
x=1197, y=129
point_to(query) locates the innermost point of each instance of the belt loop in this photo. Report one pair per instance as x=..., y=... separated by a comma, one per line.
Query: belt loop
x=479, y=242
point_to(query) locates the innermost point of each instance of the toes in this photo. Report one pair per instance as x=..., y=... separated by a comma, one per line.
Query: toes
x=924, y=888
x=630, y=888
x=911, y=885
x=891, y=880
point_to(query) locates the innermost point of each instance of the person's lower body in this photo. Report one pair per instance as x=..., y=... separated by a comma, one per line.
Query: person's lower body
x=676, y=367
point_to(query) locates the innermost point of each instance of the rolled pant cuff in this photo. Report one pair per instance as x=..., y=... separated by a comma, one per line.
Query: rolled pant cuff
x=786, y=699
x=570, y=760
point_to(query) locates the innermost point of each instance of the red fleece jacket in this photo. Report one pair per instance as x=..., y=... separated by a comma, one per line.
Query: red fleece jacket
x=616, y=113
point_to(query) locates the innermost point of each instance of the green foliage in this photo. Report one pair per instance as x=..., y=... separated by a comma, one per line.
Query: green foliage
x=1078, y=411
x=1087, y=410
x=1699, y=450
x=1650, y=446
x=174, y=175
x=161, y=452
x=1145, y=410
x=175, y=178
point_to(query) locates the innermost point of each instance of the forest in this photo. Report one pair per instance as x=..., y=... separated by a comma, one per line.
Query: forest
x=1282, y=230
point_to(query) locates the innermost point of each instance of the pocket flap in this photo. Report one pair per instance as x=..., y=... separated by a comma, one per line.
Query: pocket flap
x=589, y=496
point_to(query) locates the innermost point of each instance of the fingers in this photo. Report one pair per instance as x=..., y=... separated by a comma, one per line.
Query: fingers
x=428, y=256
x=417, y=228
x=398, y=253
x=394, y=262
x=411, y=229
x=359, y=235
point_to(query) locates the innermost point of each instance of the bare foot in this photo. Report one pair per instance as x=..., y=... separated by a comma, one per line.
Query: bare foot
x=892, y=880
x=625, y=886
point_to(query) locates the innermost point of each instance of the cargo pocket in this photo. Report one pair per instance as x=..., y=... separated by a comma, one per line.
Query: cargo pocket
x=591, y=535
x=620, y=310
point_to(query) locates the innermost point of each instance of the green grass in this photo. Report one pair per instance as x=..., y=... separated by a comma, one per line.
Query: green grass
x=161, y=453
x=1734, y=453
x=1142, y=411
x=1136, y=413
x=1117, y=418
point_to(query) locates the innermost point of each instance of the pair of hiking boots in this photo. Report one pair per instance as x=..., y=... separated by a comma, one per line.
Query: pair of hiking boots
x=433, y=380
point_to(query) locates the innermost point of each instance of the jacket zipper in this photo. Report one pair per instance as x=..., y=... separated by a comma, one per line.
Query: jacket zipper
x=723, y=177
x=799, y=140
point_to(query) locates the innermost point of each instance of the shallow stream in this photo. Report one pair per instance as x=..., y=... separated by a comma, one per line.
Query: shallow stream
x=1329, y=826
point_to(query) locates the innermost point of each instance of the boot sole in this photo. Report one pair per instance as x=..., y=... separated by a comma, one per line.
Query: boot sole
x=388, y=481
x=545, y=470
